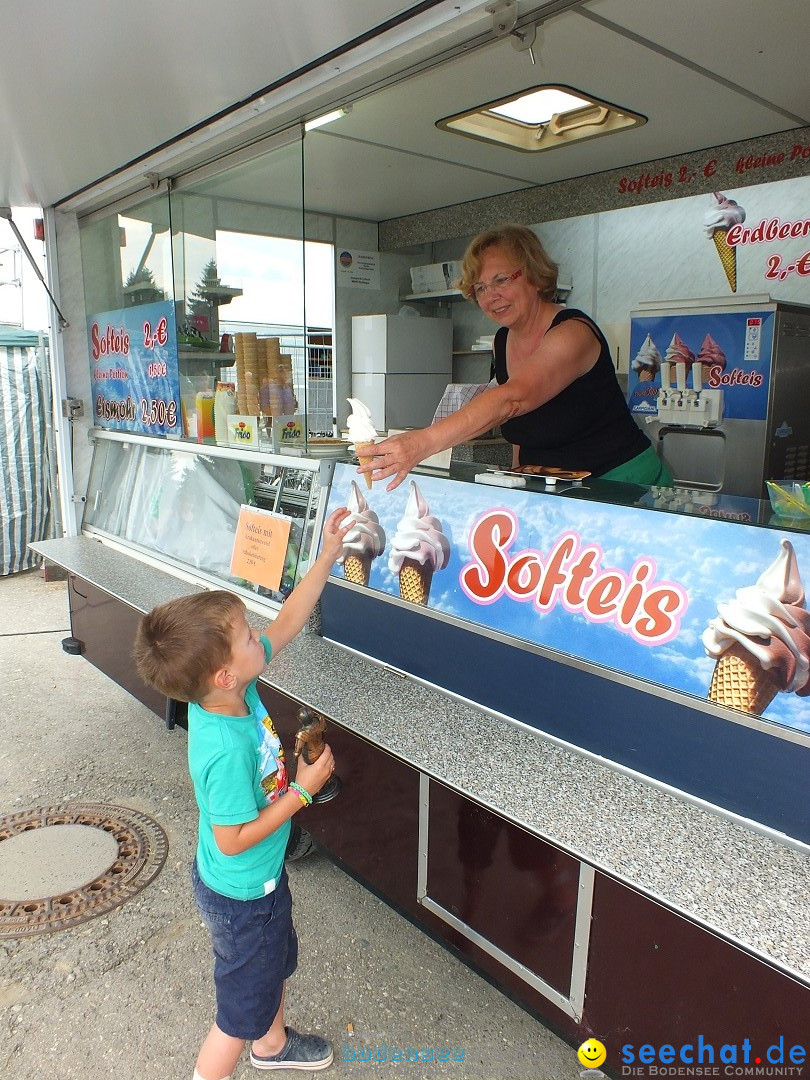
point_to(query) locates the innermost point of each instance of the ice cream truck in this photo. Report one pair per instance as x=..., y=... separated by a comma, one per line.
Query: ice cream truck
x=570, y=717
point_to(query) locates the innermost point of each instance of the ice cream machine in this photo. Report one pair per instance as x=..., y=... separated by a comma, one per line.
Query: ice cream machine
x=719, y=387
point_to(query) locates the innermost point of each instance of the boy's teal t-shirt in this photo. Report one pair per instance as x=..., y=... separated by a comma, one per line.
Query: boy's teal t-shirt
x=237, y=767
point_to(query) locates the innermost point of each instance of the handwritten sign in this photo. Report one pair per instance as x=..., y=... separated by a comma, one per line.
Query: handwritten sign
x=134, y=369
x=260, y=546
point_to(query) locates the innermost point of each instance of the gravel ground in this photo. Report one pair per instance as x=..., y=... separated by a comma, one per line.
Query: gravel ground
x=129, y=994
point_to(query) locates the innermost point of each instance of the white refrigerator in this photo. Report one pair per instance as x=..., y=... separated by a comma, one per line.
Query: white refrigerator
x=401, y=365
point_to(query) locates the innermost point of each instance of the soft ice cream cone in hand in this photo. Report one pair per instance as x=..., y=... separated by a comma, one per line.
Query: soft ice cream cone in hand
x=365, y=454
x=362, y=433
x=418, y=549
x=365, y=540
x=761, y=639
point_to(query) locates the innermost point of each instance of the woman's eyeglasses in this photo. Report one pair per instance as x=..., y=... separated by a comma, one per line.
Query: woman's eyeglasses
x=497, y=284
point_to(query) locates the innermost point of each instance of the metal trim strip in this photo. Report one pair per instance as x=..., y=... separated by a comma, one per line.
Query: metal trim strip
x=582, y=939
x=266, y=457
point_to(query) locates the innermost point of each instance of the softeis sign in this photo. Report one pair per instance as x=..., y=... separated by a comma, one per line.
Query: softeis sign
x=571, y=575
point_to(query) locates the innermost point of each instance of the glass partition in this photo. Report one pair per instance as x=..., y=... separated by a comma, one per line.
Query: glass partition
x=245, y=282
x=181, y=506
x=127, y=257
x=228, y=293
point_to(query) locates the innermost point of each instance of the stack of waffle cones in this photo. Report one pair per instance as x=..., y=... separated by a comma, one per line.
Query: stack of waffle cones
x=246, y=350
x=414, y=581
x=727, y=256
x=741, y=682
x=274, y=375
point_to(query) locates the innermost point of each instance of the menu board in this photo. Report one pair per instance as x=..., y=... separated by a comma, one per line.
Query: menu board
x=134, y=369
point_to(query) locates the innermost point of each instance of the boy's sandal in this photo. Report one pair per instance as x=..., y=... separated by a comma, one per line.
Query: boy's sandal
x=299, y=1052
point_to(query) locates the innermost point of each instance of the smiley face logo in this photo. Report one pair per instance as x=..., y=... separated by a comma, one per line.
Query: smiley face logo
x=592, y=1053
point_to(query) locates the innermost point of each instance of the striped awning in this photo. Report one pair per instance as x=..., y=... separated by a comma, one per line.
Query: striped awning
x=25, y=496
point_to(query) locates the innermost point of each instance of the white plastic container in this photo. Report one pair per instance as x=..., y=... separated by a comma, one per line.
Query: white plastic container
x=224, y=406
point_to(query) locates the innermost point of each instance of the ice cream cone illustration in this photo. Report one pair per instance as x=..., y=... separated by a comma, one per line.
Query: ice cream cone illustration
x=740, y=681
x=362, y=433
x=680, y=356
x=727, y=256
x=357, y=569
x=710, y=356
x=717, y=221
x=418, y=549
x=761, y=639
x=414, y=581
x=647, y=361
x=364, y=542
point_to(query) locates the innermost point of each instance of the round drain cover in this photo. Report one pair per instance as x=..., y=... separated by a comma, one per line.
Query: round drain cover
x=62, y=865
x=54, y=859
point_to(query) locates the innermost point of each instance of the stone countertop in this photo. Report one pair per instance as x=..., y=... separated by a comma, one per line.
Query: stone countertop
x=746, y=885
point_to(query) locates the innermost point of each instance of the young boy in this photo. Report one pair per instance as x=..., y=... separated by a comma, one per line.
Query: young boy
x=201, y=649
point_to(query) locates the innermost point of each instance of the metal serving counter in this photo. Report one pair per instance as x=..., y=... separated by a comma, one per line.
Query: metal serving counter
x=613, y=900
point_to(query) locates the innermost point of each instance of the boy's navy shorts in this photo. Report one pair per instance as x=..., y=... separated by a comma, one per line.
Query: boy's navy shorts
x=255, y=950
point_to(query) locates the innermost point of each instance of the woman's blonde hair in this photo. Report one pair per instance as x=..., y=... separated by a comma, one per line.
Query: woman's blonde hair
x=523, y=246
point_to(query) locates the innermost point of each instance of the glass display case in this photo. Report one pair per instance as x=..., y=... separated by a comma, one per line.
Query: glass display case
x=179, y=504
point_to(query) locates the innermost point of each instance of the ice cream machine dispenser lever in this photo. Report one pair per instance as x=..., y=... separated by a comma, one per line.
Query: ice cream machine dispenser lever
x=690, y=408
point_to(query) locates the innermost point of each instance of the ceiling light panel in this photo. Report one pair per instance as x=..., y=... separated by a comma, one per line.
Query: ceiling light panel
x=541, y=118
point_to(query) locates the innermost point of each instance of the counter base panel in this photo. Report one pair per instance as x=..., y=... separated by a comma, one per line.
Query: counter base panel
x=106, y=628
x=372, y=826
x=471, y=853
x=727, y=764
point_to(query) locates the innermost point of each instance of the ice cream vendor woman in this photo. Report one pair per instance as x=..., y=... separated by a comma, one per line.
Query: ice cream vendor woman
x=557, y=398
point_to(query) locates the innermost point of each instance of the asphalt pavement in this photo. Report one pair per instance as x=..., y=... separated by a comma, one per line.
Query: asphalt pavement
x=128, y=994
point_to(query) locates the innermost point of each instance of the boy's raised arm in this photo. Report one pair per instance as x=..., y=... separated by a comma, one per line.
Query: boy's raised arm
x=299, y=604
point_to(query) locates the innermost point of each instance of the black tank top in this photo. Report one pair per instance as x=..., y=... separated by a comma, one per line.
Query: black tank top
x=586, y=426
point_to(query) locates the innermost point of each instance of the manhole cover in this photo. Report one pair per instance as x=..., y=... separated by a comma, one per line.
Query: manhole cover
x=62, y=865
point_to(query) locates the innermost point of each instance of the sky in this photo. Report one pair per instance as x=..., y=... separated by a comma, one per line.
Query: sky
x=268, y=270
x=26, y=304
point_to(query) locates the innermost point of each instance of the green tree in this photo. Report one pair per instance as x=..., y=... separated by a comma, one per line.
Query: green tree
x=141, y=287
